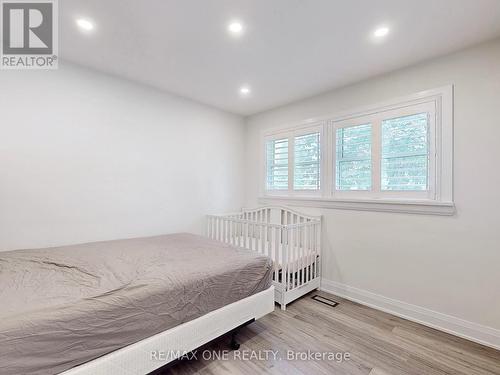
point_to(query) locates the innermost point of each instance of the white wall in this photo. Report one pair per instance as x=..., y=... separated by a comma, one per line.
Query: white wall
x=449, y=265
x=84, y=157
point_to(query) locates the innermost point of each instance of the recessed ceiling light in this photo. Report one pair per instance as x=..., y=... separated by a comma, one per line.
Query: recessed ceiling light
x=85, y=24
x=245, y=90
x=381, y=32
x=235, y=27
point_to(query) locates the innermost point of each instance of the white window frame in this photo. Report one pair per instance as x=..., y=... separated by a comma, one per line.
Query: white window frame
x=375, y=120
x=277, y=191
x=437, y=200
x=291, y=134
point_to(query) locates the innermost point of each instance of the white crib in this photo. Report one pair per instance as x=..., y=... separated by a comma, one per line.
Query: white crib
x=292, y=240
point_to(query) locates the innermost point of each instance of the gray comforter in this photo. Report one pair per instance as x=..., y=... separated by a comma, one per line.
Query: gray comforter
x=60, y=307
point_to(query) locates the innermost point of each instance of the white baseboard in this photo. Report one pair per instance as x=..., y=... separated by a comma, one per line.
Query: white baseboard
x=468, y=330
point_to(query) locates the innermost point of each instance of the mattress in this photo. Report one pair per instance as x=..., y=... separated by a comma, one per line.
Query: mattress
x=64, y=306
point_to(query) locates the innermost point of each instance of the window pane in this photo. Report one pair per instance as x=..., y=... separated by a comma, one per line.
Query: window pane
x=405, y=153
x=354, y=158
x=277, y=164
x=306, y=169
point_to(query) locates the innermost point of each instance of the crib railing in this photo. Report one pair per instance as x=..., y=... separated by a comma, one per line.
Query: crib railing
x=292, y=240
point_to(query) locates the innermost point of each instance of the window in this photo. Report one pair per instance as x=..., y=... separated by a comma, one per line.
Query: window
x=354, y=158
x=277, y=164
x=306, y=162
x=293, y=161
x=405, y=153
x=395, y=157
x=387, y=156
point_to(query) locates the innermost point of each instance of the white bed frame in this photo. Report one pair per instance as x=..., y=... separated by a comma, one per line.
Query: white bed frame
x=291, y=239
x=139, y=358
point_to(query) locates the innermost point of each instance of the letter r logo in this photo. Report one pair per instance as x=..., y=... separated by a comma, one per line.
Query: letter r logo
x=27, y=28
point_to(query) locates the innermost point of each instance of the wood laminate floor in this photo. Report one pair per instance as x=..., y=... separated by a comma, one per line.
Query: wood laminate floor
x=378, y=344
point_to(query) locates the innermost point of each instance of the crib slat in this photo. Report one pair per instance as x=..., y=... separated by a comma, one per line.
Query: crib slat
x=291, y=256
x=310, y=260
x=249, y=234
x=311, y=240
x=224, y=230
x=278, y=254
x=315, y=235
x=257, y=235
x=315, y=251
x=232, y=223
x=235, y=232
x=299, y=260
x=303, y=260
x=317, y=248
x=303, y=263
x=252, y=237
x=310, y=249
x=306, y=250
x=284, y=268
x=259, y=238
x=238, y=233
x=219, y=229
x=227, y=230
x=261, y=242
x=214, y=228
x=296, y=260
x=246, y=231
x=288, y=252
x=300, y=279
x=266, y=240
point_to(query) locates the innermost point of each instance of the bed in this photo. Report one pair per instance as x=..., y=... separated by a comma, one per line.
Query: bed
x=105, y=307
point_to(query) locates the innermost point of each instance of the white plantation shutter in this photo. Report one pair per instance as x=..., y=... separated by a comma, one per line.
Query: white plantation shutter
x=306, y=170
x=277, y=164
x=405, y=153
x=354, y=158
x=390, y=158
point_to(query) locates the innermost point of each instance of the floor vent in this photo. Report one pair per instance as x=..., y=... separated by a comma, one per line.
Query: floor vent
x=324, y=300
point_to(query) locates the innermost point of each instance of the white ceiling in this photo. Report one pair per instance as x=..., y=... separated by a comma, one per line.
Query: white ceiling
x=291, y=49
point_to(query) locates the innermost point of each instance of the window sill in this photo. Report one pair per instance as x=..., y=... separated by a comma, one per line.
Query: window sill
x=424, y=207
